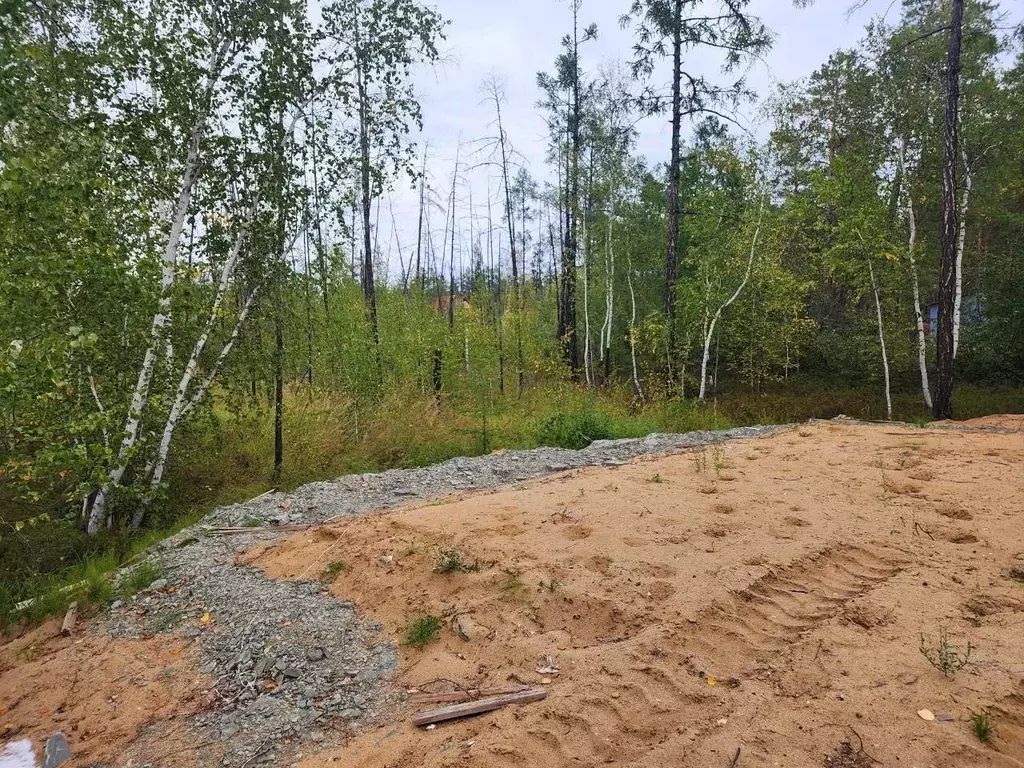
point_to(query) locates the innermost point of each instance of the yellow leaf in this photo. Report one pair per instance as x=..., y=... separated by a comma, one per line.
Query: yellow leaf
x=712, y=680
x=205, y=619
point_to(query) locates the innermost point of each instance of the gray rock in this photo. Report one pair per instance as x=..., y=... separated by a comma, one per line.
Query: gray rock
x=56, y=750
x=159, y=584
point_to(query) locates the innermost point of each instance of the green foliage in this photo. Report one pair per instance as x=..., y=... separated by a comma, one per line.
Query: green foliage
x=421, y=631
x=574, y=430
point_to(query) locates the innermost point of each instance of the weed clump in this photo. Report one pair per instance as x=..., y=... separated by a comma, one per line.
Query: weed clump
x=944, y=656
x=450, y=560
x=982, y=726
x=574, y=430
x=333, y=568
x=422, y=631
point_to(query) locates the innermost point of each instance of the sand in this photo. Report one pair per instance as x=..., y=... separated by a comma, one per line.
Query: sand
x=112, y=697
x=768, y=596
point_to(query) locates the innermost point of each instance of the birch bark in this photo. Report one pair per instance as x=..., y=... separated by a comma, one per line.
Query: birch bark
x=709, y=335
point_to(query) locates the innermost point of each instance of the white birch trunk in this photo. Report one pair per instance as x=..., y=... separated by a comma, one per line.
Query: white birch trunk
x=709, y=335
x=156, y=332
x=632, y=329
x=961, y=238
x=881, y=342
x=586, y=305
x=922, y=341
x=180, y=408
x=159, y=324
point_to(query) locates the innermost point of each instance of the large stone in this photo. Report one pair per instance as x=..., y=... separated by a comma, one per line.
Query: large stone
x=56, y=751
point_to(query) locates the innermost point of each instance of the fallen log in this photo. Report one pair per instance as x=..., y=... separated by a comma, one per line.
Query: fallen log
x=468, y=695
x=453, y=711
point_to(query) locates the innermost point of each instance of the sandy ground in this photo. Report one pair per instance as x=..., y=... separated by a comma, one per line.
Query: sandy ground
x=768, y=596
x=110, y=696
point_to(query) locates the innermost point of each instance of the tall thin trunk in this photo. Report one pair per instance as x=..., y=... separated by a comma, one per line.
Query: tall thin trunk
x=674, y=174
x=606, y=352
x=922, y=341
x=714, y=320
x=309, y=311
x=419, y=225
x=510, y=222
x=321, y=255
x=278, y=388
x=945, y=354
x=586, y=305
x=965, y=201
x=369, y=287
x=881, y=342
x=495, y=260
x=632, y=323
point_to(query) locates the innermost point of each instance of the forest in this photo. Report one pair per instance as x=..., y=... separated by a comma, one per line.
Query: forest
x=205, y=292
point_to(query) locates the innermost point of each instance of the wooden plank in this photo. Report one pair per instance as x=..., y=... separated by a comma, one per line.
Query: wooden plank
x=479, y=706
x=68, y=626
x=469, y=695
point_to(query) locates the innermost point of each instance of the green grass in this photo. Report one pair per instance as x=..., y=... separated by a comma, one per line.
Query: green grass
x=226, y=456
x=332, y=569
x=139, y=578
x=982, y=726
x=422, y=631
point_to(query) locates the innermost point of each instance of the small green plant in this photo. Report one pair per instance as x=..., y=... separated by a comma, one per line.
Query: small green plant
x=551, y=585
x=982, y=726
x=512, y=585
x=656, y=478
x=450, y=560
x=944, y=656
x=252, y=522
x=718, y=457
x=140, y=577
x=700, y=462
x=422, y=631
x=332, y=569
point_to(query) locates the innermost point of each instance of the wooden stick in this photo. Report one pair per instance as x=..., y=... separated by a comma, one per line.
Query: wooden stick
x=470, y=695
x=465, y=709
x=68, y=627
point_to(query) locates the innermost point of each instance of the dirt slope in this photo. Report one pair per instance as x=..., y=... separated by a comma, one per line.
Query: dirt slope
x=767, y=596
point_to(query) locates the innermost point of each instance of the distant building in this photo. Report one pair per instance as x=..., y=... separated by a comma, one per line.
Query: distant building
x=970, y=314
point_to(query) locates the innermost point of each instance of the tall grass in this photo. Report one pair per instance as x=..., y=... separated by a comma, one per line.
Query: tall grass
x=225, y=457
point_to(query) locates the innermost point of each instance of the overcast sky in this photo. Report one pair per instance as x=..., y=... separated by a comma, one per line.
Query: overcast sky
x=516, y=40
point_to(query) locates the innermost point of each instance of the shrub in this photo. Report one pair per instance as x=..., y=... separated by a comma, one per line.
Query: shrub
x=574, y=430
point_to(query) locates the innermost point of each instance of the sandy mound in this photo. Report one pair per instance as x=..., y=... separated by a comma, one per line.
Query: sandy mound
x=767, y=596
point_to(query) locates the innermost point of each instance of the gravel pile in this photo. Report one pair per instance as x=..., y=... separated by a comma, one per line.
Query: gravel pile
x=290, y=662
